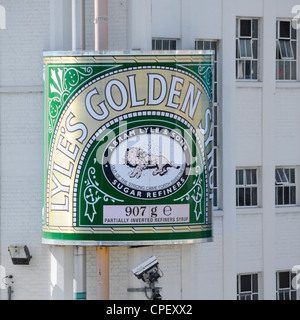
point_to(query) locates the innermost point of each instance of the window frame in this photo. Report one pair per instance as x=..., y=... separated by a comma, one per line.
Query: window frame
x=244, y=186
x=166, y=43
x=289, y=291
x=287, y=181
x=247, y=50
x=253, y=293
x=286, y=52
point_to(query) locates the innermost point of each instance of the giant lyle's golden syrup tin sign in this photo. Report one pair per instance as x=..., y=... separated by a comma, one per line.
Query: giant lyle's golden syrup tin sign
x=128, y=148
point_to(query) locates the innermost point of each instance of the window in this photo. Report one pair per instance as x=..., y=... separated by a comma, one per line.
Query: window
x=284, y=287
x=213, y=45
x=286, y=50
x=285, y=186
x=247, y=286
x=246, y=187
x=247, y=49
x=164, y=44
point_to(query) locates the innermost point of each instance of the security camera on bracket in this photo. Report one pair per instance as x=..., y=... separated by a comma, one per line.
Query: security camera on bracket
x=149, y=272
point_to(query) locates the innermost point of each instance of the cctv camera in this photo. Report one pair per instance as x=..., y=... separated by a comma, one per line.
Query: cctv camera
x=145, y=267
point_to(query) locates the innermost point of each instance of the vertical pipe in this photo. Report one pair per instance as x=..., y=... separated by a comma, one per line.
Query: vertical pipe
x=268, y=149
x=228, y=145
x=102, y=273
x=79, y=282
x=78, y=29
x=78, y=44
x=101, y=24
x=101, y=43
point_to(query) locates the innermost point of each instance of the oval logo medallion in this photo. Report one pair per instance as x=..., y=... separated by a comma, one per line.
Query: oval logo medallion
x=147, y=162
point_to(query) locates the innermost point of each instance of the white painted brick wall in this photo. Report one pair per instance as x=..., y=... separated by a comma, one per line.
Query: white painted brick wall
x=287, y=239
x=287, y=133
x=248, y=126
x=249, y=243
x=117, y=25
x=21, y=47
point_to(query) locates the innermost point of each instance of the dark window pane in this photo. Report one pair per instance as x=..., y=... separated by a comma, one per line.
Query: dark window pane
x=245, y=282
x=254, y=28
x=294, y=33
x=206, y=45
x=293, y=195
x=248, y=176
x=286, y=295
x=254, y=49
x=215, y=197
x=215, y=115
x=173, y=45
x=241, y=197
x=215, y=93
x=215, y=177
x=294, y=48
x=293, y=295
x=239, y=176
x=215, y=136
x=287, y=70
x=253, y=176
x=285, y=29
x=292, y=175
x=281, y=70
x=277, y=176
x=215, y=72
x=286, y=195
x=240, y=69
x=200, y=45
x=248, y=196
x=280, y=195
x=255, y=283
x=214, y=47
x=287, y=174
x=245, y=28
x=248, y=69
x=284, y=280
x=158, y=45
x=282, y=46
x=293, y=70
x=165, y=44
x=254, y=70
x=254, y=196
x=281, y=296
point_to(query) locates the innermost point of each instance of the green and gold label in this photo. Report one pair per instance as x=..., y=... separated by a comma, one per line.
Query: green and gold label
x=128, y=149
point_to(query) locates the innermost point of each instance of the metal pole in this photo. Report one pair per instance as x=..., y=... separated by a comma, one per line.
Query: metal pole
x=79, y=282
x=78, y=29
x=101, y=43
x=101, y=24
x=102, y=273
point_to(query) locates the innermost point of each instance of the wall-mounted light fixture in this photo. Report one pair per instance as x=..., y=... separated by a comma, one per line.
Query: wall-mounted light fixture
x=19, y=255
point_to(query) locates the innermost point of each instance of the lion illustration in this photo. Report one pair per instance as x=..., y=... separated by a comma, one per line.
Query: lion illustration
x=141, y=160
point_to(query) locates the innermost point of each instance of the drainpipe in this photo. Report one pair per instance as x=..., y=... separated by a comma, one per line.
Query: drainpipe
x=101, y=43
x=102, y=273
x=101, y=24
x=78, y=21
x=79, y=281
x=78, y=44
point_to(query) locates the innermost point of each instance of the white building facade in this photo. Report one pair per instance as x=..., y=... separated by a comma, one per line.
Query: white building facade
x=256, y=216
